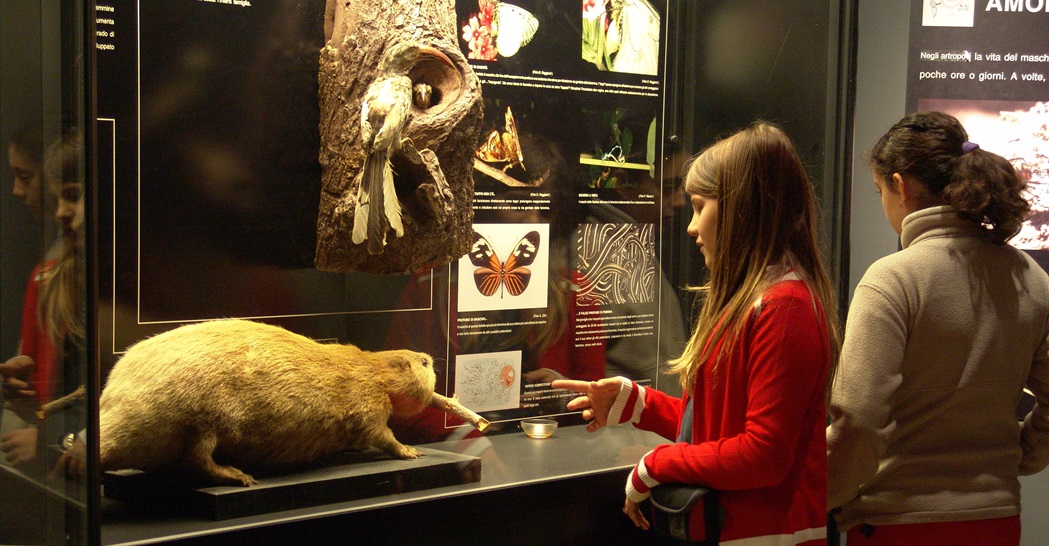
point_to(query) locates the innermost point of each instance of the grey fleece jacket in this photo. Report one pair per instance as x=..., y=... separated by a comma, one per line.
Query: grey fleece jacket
x=941, y=338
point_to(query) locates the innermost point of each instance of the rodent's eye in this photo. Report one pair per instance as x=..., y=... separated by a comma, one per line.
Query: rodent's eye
x=426, y=363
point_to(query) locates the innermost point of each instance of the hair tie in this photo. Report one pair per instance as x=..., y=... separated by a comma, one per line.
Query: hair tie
x=969, y=146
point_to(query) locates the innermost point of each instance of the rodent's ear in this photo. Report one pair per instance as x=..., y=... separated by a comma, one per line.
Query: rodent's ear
x=400, y=363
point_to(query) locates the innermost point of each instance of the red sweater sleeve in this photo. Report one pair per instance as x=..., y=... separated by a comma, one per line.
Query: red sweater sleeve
x=775, y=375
x=662, y=413
x=34, y=343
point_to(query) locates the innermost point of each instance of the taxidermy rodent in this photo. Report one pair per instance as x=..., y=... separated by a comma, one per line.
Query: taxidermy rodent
x=255, y=396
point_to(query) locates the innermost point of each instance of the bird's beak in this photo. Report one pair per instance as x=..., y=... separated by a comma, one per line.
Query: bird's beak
x=425, y=50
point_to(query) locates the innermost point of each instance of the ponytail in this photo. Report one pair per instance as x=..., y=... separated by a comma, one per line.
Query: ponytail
x=985, y=189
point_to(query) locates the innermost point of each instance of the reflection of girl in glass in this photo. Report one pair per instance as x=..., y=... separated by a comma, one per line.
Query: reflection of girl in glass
x=56, y=315
x=52, y=328
x=25, y=156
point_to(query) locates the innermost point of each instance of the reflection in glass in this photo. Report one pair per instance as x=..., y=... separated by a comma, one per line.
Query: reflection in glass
x=43, y=335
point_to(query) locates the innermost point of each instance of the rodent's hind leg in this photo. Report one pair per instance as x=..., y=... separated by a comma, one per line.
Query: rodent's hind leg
x=199, y=459
x=388, y=443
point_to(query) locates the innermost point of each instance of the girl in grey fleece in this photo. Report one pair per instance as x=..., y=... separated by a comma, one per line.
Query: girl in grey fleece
x=940, y=341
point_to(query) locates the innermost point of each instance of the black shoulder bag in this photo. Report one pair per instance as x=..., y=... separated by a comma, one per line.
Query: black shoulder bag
x=673, y=503
x=672, y=507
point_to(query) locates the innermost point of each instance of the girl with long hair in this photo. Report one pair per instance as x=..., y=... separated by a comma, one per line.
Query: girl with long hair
x=750, y=422
x=53, y=327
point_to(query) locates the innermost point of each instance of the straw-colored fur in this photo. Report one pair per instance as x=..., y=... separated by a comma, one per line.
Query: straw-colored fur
x=255, y=396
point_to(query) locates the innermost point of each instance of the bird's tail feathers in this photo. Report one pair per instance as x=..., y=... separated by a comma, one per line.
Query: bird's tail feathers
x=375, y=166
x=361, y=213
x=391, y=204
x=378, y=208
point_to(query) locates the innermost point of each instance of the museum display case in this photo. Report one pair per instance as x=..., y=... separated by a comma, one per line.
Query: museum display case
x=537, y=157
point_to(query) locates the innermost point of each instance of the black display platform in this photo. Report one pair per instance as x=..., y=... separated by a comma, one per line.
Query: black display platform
x=348, y=476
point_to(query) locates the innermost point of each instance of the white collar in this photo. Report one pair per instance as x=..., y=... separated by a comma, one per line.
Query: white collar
x=777, y=274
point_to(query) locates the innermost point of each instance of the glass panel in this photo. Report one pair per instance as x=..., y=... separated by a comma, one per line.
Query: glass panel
x=42, y=268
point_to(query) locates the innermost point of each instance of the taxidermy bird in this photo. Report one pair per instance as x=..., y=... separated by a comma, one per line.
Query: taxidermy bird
x=384, y=114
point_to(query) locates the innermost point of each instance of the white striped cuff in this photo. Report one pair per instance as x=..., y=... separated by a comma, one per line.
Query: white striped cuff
x=623, y=408
x=639, y=483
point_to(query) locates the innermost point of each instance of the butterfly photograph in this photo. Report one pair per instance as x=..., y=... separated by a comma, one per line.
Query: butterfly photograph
x=506, y=267
x=497, y=29
x=503, y=147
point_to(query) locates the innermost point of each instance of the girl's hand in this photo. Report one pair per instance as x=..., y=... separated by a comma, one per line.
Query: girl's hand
x=633, y=511
x=73, y=462
x=596, y=401
x=19, y=446
x=14, y=375
x=542, y=375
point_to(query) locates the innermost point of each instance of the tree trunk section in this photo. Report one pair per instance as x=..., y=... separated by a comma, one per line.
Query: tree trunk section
x=433, y=173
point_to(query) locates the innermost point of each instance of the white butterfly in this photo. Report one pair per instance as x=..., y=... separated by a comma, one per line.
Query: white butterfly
x=515, y=26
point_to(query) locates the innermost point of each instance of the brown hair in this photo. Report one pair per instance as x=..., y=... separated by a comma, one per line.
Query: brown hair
x=767, y=207
x=58, y=311
x=982, y=186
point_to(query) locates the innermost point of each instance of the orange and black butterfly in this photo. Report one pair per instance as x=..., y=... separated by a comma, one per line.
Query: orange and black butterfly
x=513, y=274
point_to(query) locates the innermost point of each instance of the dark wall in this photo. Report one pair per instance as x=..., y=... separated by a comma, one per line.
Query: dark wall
x=737, y=61
x=20, y=101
